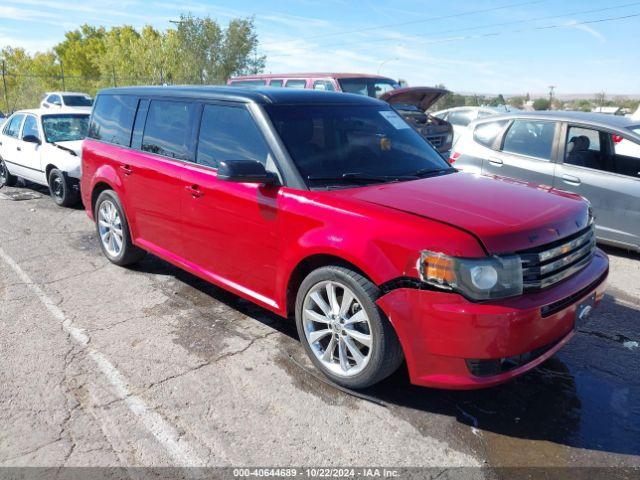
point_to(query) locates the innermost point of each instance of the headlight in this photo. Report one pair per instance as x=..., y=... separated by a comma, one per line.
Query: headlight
x=475, y=278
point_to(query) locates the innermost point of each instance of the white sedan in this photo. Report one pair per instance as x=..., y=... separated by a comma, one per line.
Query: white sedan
x=44, y=147
x=70, y=100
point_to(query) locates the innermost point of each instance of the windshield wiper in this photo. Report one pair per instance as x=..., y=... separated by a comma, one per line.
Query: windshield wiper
x=362, y=177
x=72, y=152
x=430, y=172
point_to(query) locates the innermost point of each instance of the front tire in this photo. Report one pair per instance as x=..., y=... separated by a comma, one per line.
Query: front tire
x=62, y=192
x=345, y=334
x=113, y=231
x=6, y=179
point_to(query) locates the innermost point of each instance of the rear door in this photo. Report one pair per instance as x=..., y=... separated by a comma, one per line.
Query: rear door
x=9, y=148
x=231, y=229
x=606, y=171
x=527, y=152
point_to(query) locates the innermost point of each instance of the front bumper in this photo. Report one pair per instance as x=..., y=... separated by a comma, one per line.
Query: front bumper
x=440, y=331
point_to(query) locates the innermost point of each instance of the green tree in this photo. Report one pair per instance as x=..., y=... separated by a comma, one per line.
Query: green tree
x=541, y=104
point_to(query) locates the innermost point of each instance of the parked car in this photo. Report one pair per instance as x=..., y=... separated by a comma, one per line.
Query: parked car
x=44, y=147
x=77, y=100
x=412, y=103
x=461, y=117
x=594, y=155
x=331, y=209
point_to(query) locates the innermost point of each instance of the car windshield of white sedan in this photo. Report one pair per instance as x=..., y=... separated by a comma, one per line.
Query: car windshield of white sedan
x=65, y=127
x=334, y=145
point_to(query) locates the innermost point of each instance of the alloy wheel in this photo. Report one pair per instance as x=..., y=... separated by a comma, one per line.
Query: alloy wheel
x=337, y=328
x=110, y=228
x=4, y=174
x=58, y=187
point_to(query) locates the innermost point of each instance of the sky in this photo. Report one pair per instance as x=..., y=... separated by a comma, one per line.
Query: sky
x=470, y=46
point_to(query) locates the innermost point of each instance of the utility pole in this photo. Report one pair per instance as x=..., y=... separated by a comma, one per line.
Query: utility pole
x=4, y=85
x=551, y=88
x=64, y=88
x=113, y=73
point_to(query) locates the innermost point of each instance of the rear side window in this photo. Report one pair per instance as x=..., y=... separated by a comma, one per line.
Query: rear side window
x=275, y=83
x=168, y=129
x=296, y=84
x=323, y=85
x=248, y=83
x=229, y=133
x=486, y=133
x=13, y=126
x=532, y=138
x=112, y=119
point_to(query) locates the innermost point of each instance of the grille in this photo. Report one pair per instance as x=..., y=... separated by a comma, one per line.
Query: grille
x=552, y=263
x=436, y=141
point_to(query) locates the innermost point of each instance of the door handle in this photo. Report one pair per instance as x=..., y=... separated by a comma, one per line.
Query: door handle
x=194, y=190
x=496, y=161
x=126, y=169
x=571, y=180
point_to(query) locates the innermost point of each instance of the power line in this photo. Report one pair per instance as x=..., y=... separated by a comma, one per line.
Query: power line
x=495, y=34
x=478, y=27
x=413, y=22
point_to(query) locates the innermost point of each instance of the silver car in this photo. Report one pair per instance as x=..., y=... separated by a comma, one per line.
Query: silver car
x=591, y=154
x=461, y=117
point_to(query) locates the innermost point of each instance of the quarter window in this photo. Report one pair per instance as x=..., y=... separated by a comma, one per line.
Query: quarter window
x=229, y=133
x=486, y=133
x=30, y=127
x=112, y=119
x=168, y=129
x=531, y=138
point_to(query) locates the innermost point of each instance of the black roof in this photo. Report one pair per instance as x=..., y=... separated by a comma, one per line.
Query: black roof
x=261, y=95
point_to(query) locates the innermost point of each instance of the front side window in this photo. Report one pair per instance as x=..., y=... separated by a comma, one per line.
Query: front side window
x=77, y=101
x=55, y=100
x=168, y=129
x=13, y=126
x=112, y=119
x=370, y=87
x=229, y=133
x=30, y=127
x=486, y=133
x=296, y=84
x=326, y=85
x=335, y=145
x=68, y=127
x=532, y=138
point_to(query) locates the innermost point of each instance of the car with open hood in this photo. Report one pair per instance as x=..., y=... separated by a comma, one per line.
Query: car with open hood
x=411, y=102
x=330, y=209
x=44, y=147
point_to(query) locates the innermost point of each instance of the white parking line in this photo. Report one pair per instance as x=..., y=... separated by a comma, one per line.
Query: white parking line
x=179, y=449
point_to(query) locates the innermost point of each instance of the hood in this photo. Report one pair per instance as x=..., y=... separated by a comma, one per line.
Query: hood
x=506, y=215
x=75, y=145
x=420, y=97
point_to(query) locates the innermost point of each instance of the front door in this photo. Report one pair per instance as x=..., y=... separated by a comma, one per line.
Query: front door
x=231, y=230
x=29, y=153
x=527, y=152
x=604, y=168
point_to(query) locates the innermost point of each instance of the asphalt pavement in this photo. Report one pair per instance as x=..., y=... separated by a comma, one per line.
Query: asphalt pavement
x=150, y=366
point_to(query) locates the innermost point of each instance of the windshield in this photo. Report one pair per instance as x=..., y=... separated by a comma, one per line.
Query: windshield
x=635, y=129
x=370, y=87
x=65, y=127
x=77, y=101
x=353, y=144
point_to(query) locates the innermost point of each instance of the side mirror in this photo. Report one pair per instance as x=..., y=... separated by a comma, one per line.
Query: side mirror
x=31, y=139
x=245, y=171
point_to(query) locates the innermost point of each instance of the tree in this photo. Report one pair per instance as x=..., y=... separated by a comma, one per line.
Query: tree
x=541, y=104
x=517, y=102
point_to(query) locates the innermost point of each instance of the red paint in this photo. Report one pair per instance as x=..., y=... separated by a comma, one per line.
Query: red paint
x=250, y=238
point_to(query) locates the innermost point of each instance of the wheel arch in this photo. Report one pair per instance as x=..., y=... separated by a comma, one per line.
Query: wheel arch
x=309, y=264
x=98, y=188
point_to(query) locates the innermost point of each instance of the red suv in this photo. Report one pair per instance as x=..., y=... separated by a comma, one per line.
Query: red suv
x=331, y=209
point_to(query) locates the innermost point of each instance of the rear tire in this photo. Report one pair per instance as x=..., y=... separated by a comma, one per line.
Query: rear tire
x=347, y=337
x=62, y=192
x=6, y=179
x=113, y=231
